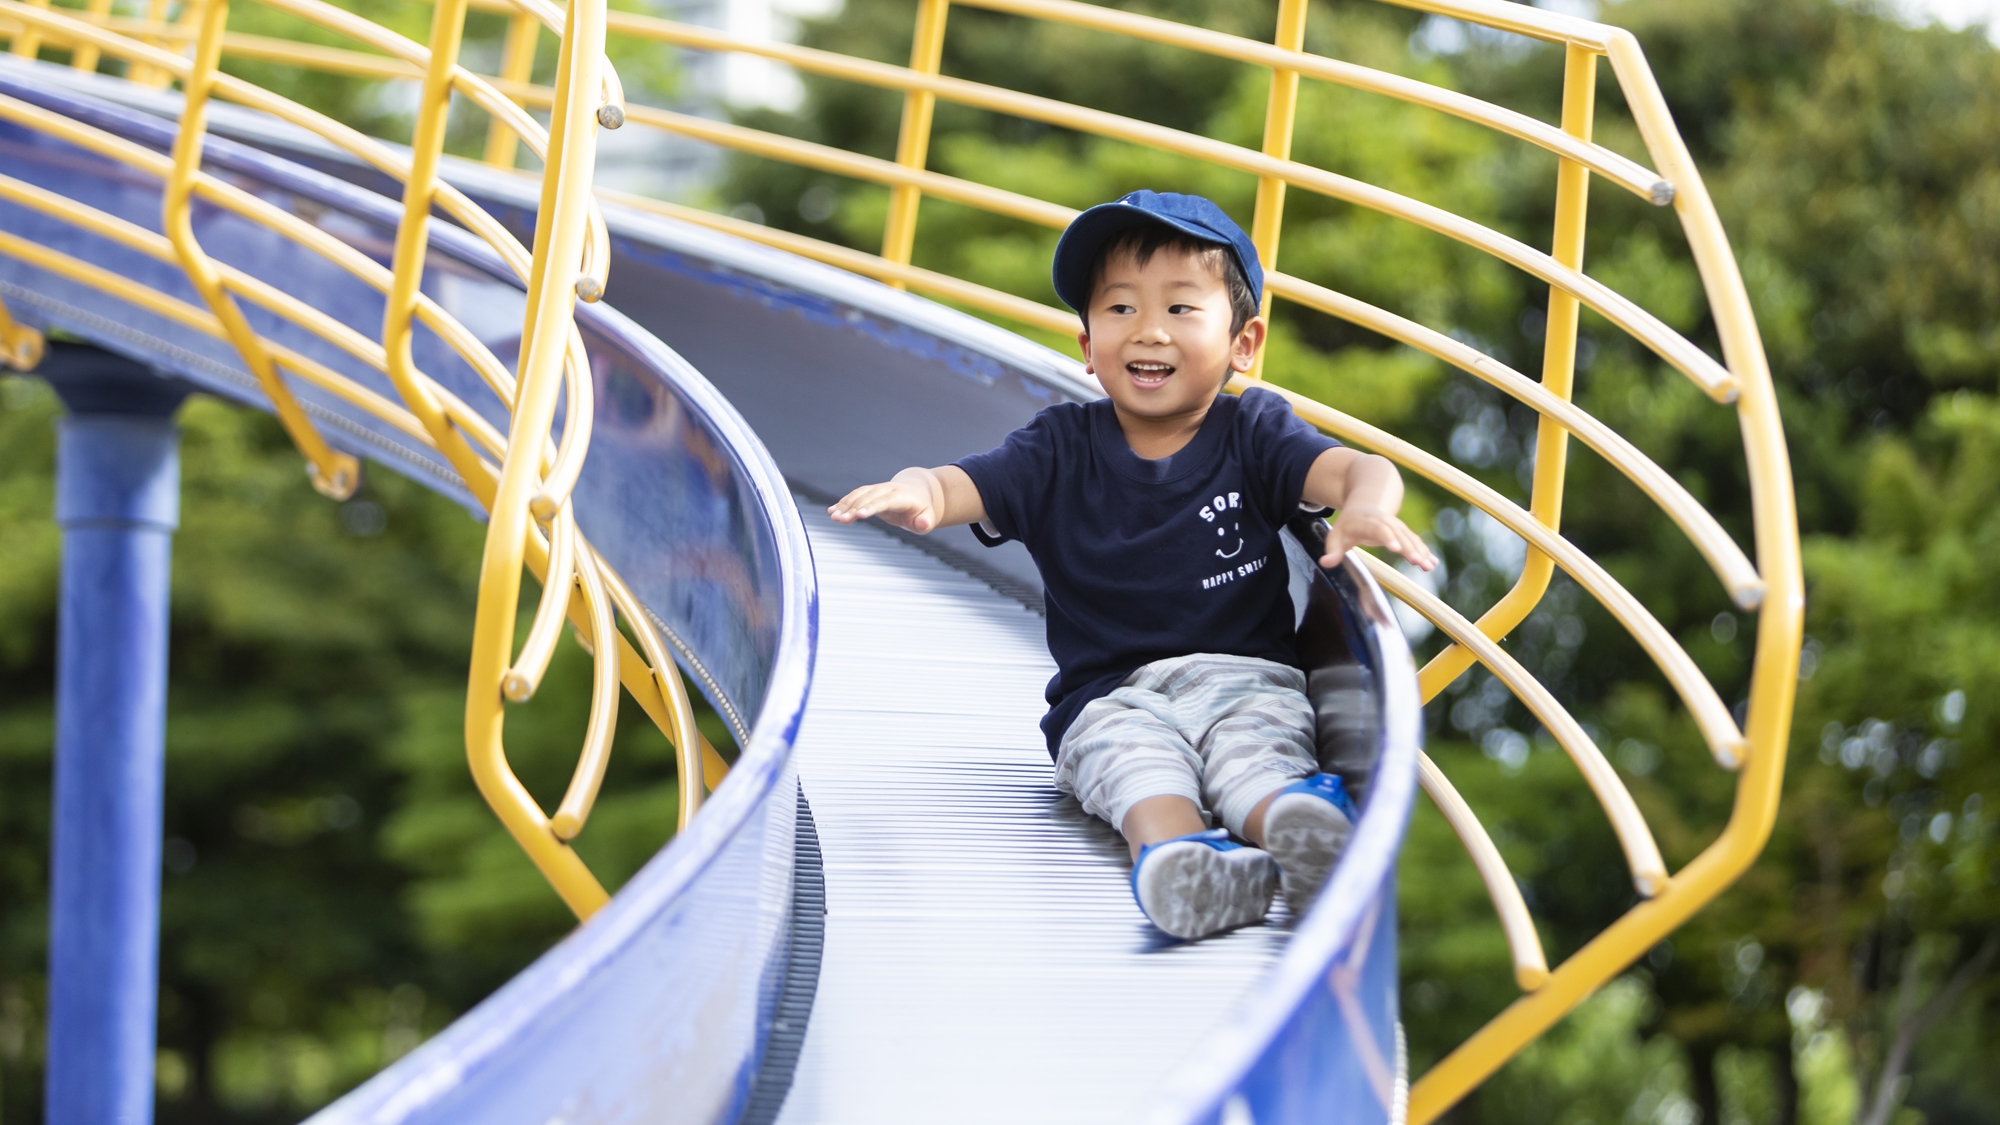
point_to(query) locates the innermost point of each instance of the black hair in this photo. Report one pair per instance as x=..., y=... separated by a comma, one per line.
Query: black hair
x=1147, y=239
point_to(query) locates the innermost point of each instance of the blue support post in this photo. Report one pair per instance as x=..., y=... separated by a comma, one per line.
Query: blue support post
x=118, y=501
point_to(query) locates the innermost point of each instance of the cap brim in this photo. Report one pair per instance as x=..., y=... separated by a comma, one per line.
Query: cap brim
x=1088, y=233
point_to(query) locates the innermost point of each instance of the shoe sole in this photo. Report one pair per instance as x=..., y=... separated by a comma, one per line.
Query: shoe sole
x=1305, y=834
x=1190, y=890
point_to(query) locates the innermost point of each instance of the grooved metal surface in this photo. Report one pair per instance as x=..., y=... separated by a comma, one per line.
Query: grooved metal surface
x=806, y=942
x=984, y=960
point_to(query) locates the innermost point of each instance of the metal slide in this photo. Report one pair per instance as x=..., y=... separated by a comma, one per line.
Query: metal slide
x=886, y=913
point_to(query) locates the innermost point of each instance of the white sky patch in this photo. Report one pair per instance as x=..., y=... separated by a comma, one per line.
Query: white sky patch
x=1505, y=551
x=1955, y=14
x=1440, y=35
x=1415, y=625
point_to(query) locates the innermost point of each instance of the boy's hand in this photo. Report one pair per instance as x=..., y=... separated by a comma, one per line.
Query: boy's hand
x=905, y=501
x=919, y=500
x=1373, y=527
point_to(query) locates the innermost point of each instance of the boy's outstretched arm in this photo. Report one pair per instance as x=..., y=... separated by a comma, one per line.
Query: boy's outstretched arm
x=1367, y=490
x=919, y=500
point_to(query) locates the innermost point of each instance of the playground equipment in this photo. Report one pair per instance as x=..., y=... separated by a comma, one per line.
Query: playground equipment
x=239, y=249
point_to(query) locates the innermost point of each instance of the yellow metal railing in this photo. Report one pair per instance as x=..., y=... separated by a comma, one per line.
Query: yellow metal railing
x=1771, y=586
x=522, y=477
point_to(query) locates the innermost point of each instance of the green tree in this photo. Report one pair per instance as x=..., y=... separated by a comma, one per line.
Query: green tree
x=1850, y=156
x=335, y=890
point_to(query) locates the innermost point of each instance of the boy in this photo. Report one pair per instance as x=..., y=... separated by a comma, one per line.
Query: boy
x=1154, y=516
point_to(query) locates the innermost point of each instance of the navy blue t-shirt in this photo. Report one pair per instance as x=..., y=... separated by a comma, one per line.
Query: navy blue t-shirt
x=1144, y=560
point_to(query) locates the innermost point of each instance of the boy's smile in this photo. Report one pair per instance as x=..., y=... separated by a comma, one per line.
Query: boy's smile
x=1159, y=342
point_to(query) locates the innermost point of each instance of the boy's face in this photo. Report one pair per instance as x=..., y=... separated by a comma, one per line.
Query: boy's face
x=1158, y=336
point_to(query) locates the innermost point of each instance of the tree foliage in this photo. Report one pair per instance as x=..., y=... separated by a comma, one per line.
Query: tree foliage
x=1850, y=156
x=335, y=891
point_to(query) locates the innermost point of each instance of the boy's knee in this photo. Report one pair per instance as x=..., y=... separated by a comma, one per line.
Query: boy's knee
x=1235, y=795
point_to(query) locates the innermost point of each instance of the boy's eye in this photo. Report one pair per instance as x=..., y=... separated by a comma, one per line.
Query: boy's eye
x=1177, y=310
x=1123, y=310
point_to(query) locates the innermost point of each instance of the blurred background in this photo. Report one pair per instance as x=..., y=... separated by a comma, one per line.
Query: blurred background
x=335, y=891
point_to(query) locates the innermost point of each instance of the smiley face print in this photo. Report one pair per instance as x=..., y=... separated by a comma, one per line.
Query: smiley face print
x=1223, y=513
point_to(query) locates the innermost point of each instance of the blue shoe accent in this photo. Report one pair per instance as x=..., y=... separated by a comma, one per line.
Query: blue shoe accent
x=1329, y=786
x=1306, y=827
x=1201, y=884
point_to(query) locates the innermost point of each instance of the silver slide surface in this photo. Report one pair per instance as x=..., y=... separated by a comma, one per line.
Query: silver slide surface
x=980, y=957
x=984, y=960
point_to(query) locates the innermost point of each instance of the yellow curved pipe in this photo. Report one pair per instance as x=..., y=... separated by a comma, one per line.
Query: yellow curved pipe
x=1524, y=945
x=1642, y=854
x=21, y=347
x=1620, y=170
x=692, y=764
x=1714, y=379
x=1738, y=576
x=588, y=777
x=559, y=580
x=1772, y=585
x=1558, y=377
x=1725, y=741
x=333, y=473
x=368, y=150
x=559, y=238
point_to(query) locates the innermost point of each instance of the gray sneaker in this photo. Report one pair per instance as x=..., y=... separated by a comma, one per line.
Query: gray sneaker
x=1305, y=829
x=1194, y=886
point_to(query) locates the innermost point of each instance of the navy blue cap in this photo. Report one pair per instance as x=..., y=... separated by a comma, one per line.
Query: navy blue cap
x=1190, y=214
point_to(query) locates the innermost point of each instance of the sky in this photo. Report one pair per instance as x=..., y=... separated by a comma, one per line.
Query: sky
x=1951, y=13
x=1955, y=13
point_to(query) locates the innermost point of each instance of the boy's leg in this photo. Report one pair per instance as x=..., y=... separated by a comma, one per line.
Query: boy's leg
x=1126, y=764
x=1156, y=820
x=1253, y=729
x=1261, y=770
x=1129, y=767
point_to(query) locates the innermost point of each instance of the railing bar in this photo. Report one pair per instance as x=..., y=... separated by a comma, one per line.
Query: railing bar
x=1521, y=19
x=1531, y=965
x=913, y=139
x=21, y=347
x=1727, y=559
x=861, y=262
x=85, y=58
x=1280, y=117
x=1699, y=696
x=560, y=237
x=370, y=151
x=334, y=473
x=1642, y=854
x=1682, y=354
x=233, y=199
x=201, y=320
x=1558, y=379
x=28, y=39
x=517, y=64
x=1620, y=169
x=676, y=711
x=595, y=757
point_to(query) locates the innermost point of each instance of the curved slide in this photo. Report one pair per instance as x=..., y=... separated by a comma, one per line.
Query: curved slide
x=885, y=913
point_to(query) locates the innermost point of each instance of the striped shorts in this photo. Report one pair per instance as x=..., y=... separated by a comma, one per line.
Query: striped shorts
x=1223, y=731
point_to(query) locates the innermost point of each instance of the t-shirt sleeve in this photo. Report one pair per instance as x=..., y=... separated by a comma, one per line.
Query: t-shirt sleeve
x=1013, y=478
x=1283, y=447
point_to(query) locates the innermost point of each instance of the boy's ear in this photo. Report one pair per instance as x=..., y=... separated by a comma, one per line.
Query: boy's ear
x=1083, y=345
x=1243, y=349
